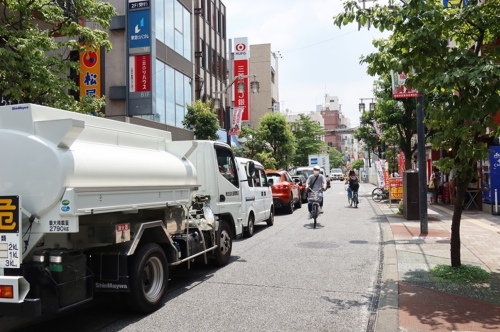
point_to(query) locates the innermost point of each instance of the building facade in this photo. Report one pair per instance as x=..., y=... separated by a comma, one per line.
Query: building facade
x=264, y=65
x=332, y=122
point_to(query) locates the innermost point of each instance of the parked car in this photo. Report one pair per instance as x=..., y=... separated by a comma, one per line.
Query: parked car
x=302, y=186
x=257, y=202
x=308, y=170
x=285, y=190
x=336, y=174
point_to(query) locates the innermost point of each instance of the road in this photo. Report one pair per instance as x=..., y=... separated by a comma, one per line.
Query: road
x=288, y=277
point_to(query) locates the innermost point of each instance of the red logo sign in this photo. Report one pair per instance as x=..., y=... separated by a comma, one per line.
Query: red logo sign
x=89, y=59
x=142, y=79
x=240, y=47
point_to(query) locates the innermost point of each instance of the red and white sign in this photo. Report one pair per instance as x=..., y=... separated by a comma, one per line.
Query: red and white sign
x=236, y=121
x=241, y=56
x=399, y=88
x=140, y=73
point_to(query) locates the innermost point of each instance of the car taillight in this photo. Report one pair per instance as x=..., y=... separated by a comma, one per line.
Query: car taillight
x=280, y=186
x=6, y=291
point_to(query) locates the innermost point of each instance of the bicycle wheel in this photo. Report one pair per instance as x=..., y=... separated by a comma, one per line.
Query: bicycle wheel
x=315, y=213
x=356, y=200
x=350, y=201
x=377, y=194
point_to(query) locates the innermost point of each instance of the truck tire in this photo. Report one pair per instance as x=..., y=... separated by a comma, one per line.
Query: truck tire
x=148, y=275
x=270, y=221
x=224, y=244
x=250, y=228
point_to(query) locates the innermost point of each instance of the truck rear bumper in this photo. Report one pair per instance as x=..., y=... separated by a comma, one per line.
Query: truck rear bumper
x=28, y=308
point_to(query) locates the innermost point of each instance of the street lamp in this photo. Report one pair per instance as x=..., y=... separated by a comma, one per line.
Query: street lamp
x=371, y=106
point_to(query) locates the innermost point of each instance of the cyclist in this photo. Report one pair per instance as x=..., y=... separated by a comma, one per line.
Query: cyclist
x=353, y=182
x=315, y=182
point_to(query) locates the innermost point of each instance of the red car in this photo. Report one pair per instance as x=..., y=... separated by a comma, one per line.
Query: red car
x=285, y=190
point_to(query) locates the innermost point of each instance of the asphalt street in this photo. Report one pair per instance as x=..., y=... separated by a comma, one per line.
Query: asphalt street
x=288, y=277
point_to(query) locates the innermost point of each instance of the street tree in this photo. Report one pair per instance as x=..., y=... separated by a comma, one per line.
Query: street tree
x=367, y=133
x=202, y=119
x=253, y=143
x=358, y=164
x=336, y=158
x=453, y=55
x=306, y=133
x=275, y=131
x=36, y=64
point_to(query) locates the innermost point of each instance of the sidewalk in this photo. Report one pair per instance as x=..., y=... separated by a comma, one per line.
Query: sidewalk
x=411, y=298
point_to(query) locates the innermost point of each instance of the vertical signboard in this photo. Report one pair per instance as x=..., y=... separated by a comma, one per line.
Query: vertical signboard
x=241, y=67
x=140, y=62
x=90, y=73
x=10, y=231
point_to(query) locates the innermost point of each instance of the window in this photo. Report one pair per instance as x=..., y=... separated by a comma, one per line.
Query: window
x=169, y=23
x=250, y=182
x=263, y=178
x=160, y=21
x=256, y=179
x=160, y=92
x=227, y=166
x=202, y=55
x=275, y=177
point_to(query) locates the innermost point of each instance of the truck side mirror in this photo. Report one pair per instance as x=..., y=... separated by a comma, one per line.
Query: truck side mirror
x=250, y=169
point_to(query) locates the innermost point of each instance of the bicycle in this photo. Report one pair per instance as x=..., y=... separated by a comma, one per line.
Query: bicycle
x=378, y=194
x=354, y=199
x=315, y=198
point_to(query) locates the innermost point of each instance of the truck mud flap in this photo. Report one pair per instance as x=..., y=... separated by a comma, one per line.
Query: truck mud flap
x=110, y=271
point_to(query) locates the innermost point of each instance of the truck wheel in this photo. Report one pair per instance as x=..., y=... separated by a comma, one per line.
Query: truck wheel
x=250, y=228
x=148, y=278
x=289, y=207
x=225, y=245
x=270, y=221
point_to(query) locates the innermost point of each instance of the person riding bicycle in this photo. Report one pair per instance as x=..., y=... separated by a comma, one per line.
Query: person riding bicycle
x=353, y=182
x=315, y=182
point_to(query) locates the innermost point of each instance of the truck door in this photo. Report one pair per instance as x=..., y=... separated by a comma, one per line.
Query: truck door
x=229, y=183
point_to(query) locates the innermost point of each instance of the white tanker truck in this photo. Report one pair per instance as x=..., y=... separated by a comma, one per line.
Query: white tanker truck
x=95, y=205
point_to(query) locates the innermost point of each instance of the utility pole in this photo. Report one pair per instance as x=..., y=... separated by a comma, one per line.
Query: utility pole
x=422, y=171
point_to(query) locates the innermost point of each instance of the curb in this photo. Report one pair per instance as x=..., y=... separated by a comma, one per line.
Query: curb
x=387, y=311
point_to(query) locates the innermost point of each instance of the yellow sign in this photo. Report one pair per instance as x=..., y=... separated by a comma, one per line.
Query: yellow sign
x=8, y=216
x=90, y=73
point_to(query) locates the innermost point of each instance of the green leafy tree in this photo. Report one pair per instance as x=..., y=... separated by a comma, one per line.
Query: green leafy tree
x=253, y=144
x=36, y=65
x=276, y=133
x=357, y=164
x=336, y=158
x=461, y=77
x=306, y=132
x=202, y=119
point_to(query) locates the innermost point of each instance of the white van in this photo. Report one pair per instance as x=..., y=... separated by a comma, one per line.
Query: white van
x=257, y=198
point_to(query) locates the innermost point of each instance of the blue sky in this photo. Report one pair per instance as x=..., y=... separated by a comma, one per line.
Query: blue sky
x=317, y=57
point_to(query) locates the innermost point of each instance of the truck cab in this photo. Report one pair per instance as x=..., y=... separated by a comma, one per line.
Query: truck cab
x=257, y=198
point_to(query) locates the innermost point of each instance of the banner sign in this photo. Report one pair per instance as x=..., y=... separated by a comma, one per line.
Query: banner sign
x=396, y=188
x=399, y=88
x=378, y=130
x=139, y=27
x=241, y=56
x=236, y=121
x=140, y=73
x=386, y=179
x=401, y=162
x=90, y=73
x=380, y=174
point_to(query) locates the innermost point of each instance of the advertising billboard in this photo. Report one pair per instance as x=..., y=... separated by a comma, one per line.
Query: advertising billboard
x=241, y=67
x=90, y=73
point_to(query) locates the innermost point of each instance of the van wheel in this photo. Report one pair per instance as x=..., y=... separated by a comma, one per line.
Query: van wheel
x=148, y=278
x=289, y=207
x=270, y=221
x=250, y=228
x=224, y=244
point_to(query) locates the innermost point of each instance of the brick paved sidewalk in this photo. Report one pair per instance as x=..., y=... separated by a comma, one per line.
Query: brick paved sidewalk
x=426, y=303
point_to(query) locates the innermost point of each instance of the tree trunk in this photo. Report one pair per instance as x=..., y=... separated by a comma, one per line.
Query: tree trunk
x=408, y=156
x=455, y=243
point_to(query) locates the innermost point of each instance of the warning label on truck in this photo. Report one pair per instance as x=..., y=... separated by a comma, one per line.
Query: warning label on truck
x=10, y=230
